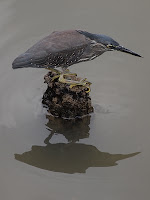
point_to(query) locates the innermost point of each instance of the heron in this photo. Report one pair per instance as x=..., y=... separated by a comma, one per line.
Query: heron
x=66, y=48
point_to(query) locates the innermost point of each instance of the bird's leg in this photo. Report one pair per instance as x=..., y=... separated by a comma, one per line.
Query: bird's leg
x=57, y=72
x=65, y=72
x=53, y=70
x=66, y=76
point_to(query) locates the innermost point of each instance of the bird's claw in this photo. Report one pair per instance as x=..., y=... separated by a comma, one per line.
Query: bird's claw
x=63, y=79
x=55, y=77
x=83, y=83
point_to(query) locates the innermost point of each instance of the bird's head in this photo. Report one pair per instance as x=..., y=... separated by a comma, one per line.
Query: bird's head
x=107, y=42
x=111, y=45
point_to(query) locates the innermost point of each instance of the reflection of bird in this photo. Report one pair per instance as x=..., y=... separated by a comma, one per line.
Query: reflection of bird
x=65, y=48
x=69, y=158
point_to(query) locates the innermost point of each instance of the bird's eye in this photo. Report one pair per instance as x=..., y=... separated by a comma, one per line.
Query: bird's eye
x=110, y=46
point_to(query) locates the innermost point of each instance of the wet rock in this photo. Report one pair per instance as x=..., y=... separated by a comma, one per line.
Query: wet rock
x=63, y=101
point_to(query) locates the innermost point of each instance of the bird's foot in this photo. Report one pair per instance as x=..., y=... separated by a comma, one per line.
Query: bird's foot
x=65, y=72
x=62, y=79
x=83, y=83
x=70, y=79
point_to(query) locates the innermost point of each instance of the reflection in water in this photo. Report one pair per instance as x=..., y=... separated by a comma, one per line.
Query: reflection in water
x=71, y=157
x=73, y=130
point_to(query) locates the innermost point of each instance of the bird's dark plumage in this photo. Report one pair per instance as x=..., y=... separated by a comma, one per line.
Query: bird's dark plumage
x=65, y=48
x=103, y=39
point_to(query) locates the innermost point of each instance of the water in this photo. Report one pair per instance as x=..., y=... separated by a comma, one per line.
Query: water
x=106, y=156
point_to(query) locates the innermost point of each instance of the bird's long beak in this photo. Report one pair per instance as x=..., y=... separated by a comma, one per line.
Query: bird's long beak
x=121, y=48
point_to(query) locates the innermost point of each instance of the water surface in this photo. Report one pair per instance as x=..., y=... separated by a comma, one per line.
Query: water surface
x=105, y=156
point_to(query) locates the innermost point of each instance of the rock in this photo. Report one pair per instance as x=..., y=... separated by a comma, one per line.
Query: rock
x=63, y=101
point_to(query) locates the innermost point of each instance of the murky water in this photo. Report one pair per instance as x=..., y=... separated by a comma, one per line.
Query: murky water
x=105, y=156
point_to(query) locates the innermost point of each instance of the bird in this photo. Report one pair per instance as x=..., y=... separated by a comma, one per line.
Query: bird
x=66, y=48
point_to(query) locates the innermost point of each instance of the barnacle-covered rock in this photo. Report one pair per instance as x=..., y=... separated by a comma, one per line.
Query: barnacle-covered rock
x=65, y=101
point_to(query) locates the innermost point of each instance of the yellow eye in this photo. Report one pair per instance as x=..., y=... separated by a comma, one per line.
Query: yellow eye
x=109, y=45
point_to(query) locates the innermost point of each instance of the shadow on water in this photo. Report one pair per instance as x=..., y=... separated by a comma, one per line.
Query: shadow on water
x=69, y=157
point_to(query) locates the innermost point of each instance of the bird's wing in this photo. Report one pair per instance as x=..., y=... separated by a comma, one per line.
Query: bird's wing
x=56, y=42
x=60, y=41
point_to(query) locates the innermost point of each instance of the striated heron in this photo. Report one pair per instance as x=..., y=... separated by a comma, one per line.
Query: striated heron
x=65, y=48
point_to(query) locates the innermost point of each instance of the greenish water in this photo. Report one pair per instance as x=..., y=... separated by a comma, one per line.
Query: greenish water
x=104, y=156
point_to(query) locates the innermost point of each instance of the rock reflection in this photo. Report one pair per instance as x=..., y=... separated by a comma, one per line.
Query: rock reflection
x=73, y=130
x=71, y=157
